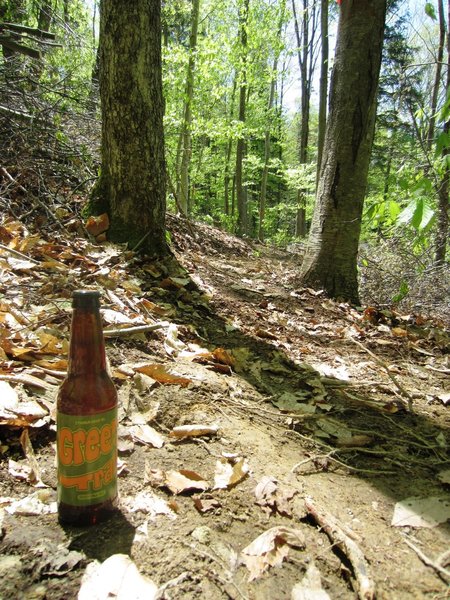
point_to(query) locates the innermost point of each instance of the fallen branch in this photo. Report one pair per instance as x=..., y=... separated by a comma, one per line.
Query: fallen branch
x=10, y=178
x=366, y=586
x=436, y=565
x=121, y=331
x=18, y=254
x=28, y=380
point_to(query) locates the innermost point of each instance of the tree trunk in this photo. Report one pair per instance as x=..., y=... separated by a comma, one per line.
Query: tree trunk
x=186, y=139
x=227, y=177
x=331, y=256
x=323, y=84
x=444, y=184
x=131, y=187
x=241, y=196
x=305, y=37
x=437, y=76
x=265, y=173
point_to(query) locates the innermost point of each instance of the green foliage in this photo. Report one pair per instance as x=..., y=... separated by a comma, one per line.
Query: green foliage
x=430, y=11
x=215, y=126
x=402, y=292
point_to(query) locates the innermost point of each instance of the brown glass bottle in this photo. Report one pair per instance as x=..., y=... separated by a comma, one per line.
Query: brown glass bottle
x=86, y=422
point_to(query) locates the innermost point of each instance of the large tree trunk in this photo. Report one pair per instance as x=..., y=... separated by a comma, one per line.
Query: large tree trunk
x=131, y=188
x=444, y=184
x=331, y=256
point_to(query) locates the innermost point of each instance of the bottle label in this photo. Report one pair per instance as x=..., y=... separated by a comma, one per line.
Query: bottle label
x=87, y=458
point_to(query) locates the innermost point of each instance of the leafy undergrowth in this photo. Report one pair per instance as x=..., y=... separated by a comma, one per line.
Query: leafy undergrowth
x=268, y=439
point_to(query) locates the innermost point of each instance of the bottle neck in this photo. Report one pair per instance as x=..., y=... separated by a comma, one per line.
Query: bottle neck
x=87, y=346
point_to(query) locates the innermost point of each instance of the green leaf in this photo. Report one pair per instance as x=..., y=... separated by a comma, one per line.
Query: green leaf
x=394, y=209
x=417, y=214
x=402, y=292
x=443, y=141
x=407, y=213
x=430, y=11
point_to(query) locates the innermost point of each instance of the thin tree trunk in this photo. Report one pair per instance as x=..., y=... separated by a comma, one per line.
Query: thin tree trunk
x=241, y=196
x=323, y=85
x=305, y=37
x=437, y=76
x=227, y=176
x=331, y=255
x=265, y=173
x=186, y=138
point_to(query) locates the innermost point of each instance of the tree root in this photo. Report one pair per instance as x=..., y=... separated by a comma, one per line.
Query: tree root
x=365, y=585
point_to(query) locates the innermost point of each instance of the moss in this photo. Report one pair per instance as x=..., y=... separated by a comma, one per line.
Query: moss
x=97, y=203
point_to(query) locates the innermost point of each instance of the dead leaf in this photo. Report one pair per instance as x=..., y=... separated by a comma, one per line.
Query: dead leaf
x=184, y=481
x=270, y=549
x=19, y=470
x=160, y=374
x=117, y=577
x=205, y=505
x=184, y=431
x=399, y=332
x=42, y=502
x=172, y=345
x=146, y=435
x=421, y=512
x=148, y=502
x=230, y=472
x=224, y=357
x=274, y=497
x=310, y=587
x=35, y=472
x=444, y=398
x=97, y=225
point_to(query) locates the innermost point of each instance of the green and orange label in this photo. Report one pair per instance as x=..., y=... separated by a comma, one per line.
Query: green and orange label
x=87, y=458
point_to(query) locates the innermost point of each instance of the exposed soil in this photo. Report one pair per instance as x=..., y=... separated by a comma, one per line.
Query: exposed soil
x=316, y=395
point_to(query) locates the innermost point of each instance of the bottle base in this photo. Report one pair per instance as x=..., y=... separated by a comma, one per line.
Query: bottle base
x=83, y=516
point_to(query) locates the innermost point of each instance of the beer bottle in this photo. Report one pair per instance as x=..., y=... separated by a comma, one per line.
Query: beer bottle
x=86, y=422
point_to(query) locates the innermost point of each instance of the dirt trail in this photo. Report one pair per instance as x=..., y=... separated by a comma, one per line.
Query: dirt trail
x=314, y=407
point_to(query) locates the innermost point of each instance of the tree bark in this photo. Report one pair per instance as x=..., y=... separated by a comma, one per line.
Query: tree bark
x=241, y=195
x=186, y=138
x=323, y=84
x=265, y=172
x=444, y=184
x=131, y=187
x=331, y=255
x=437, y=76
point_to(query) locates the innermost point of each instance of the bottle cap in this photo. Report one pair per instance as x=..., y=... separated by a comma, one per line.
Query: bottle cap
x=87, y=299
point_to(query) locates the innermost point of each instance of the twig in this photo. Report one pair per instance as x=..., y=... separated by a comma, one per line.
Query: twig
x=18, y=254
x=132, y=330
x=366, y=586
x=388, y=373
x=28, y=380
x=330, y=456
x=430, y=563
x=12, y=180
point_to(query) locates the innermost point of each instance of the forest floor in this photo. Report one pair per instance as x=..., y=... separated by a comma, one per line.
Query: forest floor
x=317, y=463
